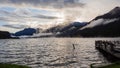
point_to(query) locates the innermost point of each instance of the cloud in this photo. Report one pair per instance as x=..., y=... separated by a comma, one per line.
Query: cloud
x=68, y=10
x=15, y=26
x=89, y=10
x=31, y=13
x=45, y=17
x=23, y=14
x=95, y=23
x=94, y=8
x=99, y=22
x=42, y=3
x=25, y=17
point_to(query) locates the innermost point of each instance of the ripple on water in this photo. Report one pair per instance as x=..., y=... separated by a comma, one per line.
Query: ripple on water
x=51, y=52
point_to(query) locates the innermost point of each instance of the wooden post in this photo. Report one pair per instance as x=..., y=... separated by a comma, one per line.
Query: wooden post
x=73, y=46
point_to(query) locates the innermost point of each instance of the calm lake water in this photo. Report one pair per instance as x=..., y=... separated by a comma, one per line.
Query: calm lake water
x=52, y=52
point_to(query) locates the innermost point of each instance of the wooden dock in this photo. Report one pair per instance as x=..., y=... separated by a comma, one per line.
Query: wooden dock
x=111, y=47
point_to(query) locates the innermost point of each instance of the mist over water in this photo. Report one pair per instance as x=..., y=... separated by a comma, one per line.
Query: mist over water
x=52, y=52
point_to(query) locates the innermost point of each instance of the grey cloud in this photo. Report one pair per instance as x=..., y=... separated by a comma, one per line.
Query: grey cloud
x=4, y=1
x=45, y=17
x=44, y=3
x=23, y=12
x=17, y=26
x=7, y=19
x=9, y=14
x=22, y=15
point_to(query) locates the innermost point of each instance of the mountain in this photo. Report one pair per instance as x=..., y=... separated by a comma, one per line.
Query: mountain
x=67, y=29
x=26, y=31
x=107, y=25
x=73, y=24
x=53, y=29
x=71, y=29
x=63, y=28
x=114, y=13
x=4, y=35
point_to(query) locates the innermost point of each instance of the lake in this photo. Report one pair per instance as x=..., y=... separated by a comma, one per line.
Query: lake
x=52, y=52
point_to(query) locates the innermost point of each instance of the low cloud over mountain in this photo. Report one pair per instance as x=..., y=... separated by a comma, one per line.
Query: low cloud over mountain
x=106, y=25
x=36, y=12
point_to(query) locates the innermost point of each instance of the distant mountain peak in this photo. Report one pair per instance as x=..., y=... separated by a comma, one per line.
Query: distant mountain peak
x=116, y=10
x=114, y=13
x=117, y=7
x=105, y=25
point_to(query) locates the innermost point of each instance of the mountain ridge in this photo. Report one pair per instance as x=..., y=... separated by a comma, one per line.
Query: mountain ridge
x=111, y=29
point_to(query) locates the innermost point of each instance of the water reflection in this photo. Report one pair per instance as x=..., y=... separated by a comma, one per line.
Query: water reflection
x=51, y=52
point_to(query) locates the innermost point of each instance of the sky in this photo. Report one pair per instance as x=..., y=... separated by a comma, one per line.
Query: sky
x=19, y=14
